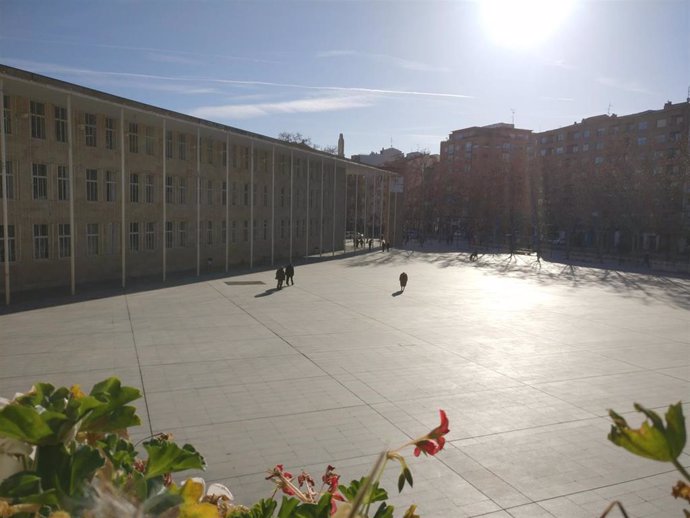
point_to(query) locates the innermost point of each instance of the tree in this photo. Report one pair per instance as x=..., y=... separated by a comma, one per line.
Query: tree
x=298, y=138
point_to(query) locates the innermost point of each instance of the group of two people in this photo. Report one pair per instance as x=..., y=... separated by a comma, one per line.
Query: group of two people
x=285, y=275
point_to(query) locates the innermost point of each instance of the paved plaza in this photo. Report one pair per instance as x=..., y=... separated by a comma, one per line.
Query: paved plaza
x=525, y=360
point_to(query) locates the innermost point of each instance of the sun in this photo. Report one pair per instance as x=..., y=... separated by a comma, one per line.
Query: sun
x=523, y=23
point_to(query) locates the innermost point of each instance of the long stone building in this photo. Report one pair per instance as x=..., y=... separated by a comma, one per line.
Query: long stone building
x=97, y=187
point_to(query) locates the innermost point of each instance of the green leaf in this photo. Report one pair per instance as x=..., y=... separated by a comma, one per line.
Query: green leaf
x=287, y=507
x=408, y=476
x=652, y=440
x=20, y=484
x=119, y=451
x=158, y=504
x=111, y=414
x=83, y=464
x=401, y=482
x=168, y=457
x=263, y=508
x=23, y=423
x=384, y=511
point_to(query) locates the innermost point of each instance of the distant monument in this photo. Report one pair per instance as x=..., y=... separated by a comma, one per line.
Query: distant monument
x=341, y=146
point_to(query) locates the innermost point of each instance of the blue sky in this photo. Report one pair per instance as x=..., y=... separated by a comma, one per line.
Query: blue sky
x=380, y=72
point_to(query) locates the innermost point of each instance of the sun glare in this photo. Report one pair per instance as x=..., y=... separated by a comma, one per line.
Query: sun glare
x=523, y=23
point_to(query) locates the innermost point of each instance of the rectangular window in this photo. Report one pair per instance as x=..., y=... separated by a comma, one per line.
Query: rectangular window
x=234, y=194
x=224, y=232
x=642, y=125
x=12, y=256
x=134, y=236
x=133, y=137
x=661, y=123
x=246, y=194
x=92, y=235
x=182, y=146
x=62, y=183
x=168, y=189
x=168, y=234
x=39, y=180
x=150, y=235
x=134, y=188
x=265, y=195
x=245, y=231
x=38, y=120
x=233, y=232
x=109, y=133
x=182, y=191
x=91, y=185
x=224, y=193
x=282, y=229
x=282, y=196
x=40, y=241
x=113, y=238
x=149, y=188
x=641, y=141
x=209, y=192
x=90, y=129
x=64, y=238
x=209, y=151
x=224, y=154
x=150, y=140
x=60, y=124
x=168, y=144
x=209, y=233
x=9, y=178
x=110, y=186
x=7, y=115
x=265, y=229
x=182, y=233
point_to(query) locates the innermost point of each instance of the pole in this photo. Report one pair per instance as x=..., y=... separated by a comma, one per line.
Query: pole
x=70, y=165
x=6, y=226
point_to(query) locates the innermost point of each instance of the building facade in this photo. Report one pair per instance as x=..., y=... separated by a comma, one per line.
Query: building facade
x=98, y=187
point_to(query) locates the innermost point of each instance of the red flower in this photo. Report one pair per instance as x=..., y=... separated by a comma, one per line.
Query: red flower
x=433, y=442
x=331, y=479
x=280, y=477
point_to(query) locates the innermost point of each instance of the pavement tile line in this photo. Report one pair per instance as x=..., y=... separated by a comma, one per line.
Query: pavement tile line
x=141, y=375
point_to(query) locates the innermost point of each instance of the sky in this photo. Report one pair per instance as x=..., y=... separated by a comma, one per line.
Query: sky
x=382, y=72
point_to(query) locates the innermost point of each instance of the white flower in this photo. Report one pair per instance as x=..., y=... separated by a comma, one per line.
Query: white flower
x=13, y=453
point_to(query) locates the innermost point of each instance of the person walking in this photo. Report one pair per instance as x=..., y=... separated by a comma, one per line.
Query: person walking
x=280, y=277
x=403, y=281
x=289, y=275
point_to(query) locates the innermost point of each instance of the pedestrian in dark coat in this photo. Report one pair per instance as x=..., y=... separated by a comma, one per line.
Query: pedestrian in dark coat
x=403, y=281
x=280, y=277
x=289, y=275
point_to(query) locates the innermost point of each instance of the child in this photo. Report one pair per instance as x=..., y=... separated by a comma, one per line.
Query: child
x=403, y=281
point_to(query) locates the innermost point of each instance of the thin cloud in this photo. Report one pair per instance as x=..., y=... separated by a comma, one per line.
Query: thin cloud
x=52, y=68
x=171, y=58
x=384, y=58
x=247, y=111
x=562, y=99
x=628, y=86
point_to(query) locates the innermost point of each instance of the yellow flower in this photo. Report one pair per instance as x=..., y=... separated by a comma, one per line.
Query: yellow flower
x=76, y=392
x=59, y=514
x=195, y=499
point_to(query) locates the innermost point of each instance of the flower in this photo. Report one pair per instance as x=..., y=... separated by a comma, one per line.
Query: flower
x=200, y=502
x=282, y=479
x=13, y=453
x=433, y=442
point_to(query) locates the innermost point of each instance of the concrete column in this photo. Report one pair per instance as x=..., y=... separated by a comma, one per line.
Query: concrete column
x=165, y=200
x=70, y=166
x=198, y=201
x=123, y=232
x=273, y=203
x=227, y=202
x=251, y=205
x=306, y=237
x=292, y=170
x=321, y=217
x=5, y=221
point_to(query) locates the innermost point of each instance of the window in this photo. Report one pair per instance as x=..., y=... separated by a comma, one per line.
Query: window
x=599, y=160
x=642, y=125
x=134, y=236
x=134, y=188
x=233, y=232
x=223, y=232
x=246, y=194
x=90, y=129
x=168, y=189
x=110, y=186
x=40, y=241
x=11, y=246
x=91, y=185
x=7, y=115
x=60, y=124
x=133, y=137
x=265, y=195
x=182, y=233
x=282, y=196
x=585, y=147
x=209, y=233
x=168, y=144
x=149, y=188
x=282, y=229
x=209, y=151
x=109, y=133
x=113, y=238
x=182, y=146
x=64, y=238
x=182, y=191
x=38, y=120
x=150, y=140
x=641, y=141
x=224, y=194
x=62, y=183
x=599, y=145
x=585, y=133
x=39, y=180
x=168, y=234
x=9, y=178
x=150, y=237
x=234, y=194
x=245, y=231
x=92, y=235
x=265, y=229
x=224, y=154
x=601, y=132
x=660, y=138
x=209, y=192
x=661, y=123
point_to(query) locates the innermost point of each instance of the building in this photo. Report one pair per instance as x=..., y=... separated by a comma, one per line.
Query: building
x=379, y=159
x=485, y=173
x=618, y=183
x=98, y=187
